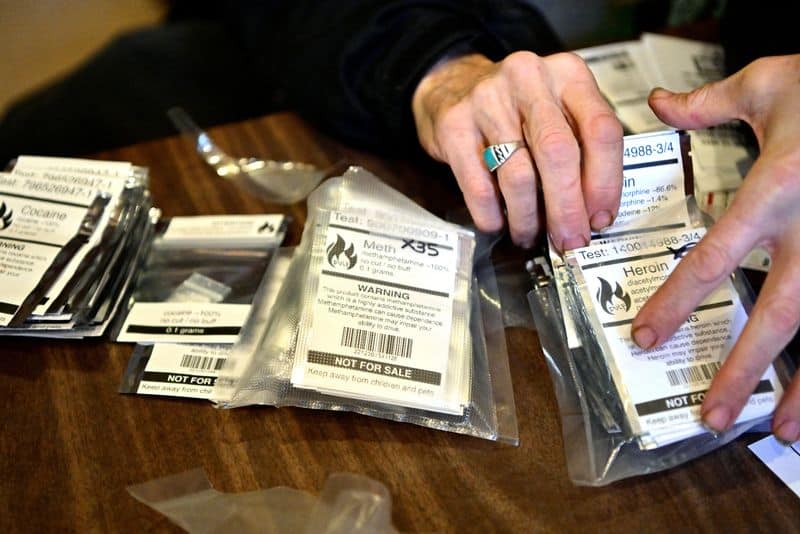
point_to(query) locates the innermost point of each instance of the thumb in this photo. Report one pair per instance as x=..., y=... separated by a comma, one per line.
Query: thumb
x=711, y=104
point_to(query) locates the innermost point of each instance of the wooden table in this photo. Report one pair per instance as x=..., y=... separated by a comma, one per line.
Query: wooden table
x=71, y=444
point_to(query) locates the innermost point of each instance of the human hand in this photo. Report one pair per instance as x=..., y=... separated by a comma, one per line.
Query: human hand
x=574, y=142
x=765, y=212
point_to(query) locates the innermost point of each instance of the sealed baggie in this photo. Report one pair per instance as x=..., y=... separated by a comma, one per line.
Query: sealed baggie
x=380, y=314
x=200, y=278
x=627, y=411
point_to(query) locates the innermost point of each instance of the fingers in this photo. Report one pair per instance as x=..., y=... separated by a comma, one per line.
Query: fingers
x=576, y=141
x=695, y=277
x=772, y=324
x=499, y=122
x=786, y=420
x=447, y=130
x=555, y=150
x=462, y=148
x=464, y=102
x=711, y=104
x=517, y=181
x=601, y=134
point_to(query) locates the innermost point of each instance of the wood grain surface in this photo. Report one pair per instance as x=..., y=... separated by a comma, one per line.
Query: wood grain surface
x=70, y=444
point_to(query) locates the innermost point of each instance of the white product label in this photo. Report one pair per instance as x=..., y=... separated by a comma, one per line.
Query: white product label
x=99, y=168
x=233, y=230
x=183, y=322
x=665, y=386
x=183, y=370
x=71, y=187
x=33, y=229
x=381, y=323
x=653, y=195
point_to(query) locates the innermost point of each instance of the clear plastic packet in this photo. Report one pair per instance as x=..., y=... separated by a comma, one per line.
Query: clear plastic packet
x=382, y=313
x=348, y=504
x=200, y=279
x=604, y=424
x=190, y=370
x=513, y=284
x=279, y=182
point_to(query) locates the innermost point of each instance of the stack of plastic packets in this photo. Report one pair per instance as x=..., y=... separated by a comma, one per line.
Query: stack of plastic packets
x=71, y=234
x=651, y=396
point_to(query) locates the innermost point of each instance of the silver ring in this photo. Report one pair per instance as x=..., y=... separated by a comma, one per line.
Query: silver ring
x=496, y=155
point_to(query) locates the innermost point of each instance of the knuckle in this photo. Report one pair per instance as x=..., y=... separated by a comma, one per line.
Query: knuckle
x=451, y=117
x=484, y=91
x=698, y=98
x=738, y=380
x=481, y=191
x=604, y=128
x=709, y=262
x=573, y=217
x=758, y=76
x=520, y=60
x=557, y=145
x=522, y=66
x=572, y=62
x=784, y=176
x=451, y=123
x=607, y=193
x=783, y=313
x=518, y=180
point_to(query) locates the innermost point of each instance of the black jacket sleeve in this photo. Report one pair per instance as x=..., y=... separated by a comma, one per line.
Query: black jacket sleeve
x=351, y=66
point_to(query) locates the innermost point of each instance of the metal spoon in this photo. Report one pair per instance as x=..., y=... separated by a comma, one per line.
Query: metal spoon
x=282, y=182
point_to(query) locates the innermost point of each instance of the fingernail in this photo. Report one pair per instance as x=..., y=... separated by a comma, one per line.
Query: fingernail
x=659, y=92
x=710, y=430
x=788, y=432
x=645, y=337
x=575, y=241
x=525, y=243
x=601, y=219
x=716, y=419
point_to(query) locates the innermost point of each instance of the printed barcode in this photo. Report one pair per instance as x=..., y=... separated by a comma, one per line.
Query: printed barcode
x=204, y=363
x=691, y=375
x=384, y=343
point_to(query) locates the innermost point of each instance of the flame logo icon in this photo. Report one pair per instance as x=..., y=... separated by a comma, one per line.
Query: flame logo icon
x=341, y=255
x=266, y=226
x=680, y=252
x=5, y=216
x=605, y=296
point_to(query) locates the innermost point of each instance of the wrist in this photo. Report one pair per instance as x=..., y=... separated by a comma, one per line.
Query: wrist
x=449, y=67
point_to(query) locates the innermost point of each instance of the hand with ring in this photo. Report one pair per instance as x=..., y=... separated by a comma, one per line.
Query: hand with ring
x=525, y=124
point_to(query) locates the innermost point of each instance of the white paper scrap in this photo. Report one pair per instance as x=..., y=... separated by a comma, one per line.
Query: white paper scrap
x=782, y=460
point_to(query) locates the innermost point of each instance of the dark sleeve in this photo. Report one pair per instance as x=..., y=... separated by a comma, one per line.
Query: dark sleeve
x=751, y=30
x=352, y=66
